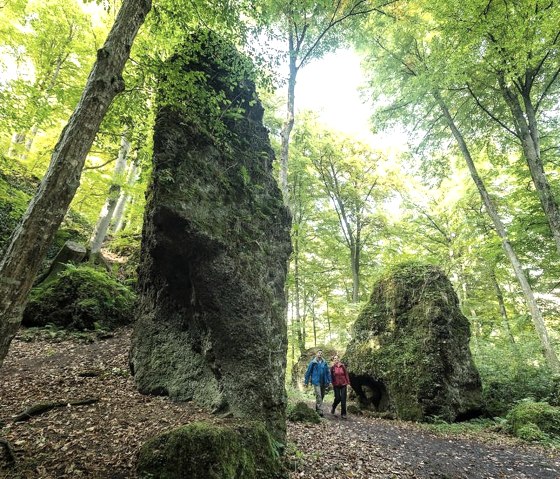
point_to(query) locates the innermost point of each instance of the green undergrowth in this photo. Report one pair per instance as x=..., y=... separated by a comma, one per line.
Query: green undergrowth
x=56, y=334
x=472, y=427
x=535, y=422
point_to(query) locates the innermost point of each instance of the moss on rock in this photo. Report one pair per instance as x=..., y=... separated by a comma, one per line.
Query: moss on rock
x=534, y=421
x=215, y=244
x=301, y=412
x=80, y=298
x=210, y=451
x=410, y=353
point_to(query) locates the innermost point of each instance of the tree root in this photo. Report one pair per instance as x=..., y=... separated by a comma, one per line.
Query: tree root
x=43, y=407
x=9, y=450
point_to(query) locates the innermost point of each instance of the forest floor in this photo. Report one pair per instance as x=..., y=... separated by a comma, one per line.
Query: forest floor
x=101, y=440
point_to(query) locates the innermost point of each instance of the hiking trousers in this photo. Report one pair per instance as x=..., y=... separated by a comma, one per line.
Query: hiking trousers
x=319, y=395
x=340, y=398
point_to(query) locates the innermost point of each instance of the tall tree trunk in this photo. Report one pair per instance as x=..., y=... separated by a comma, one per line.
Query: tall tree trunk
x=33, y=236
x=299, y=325
x=17, y=140
x=123, y=199
x=502, y=305
x=355, y=265
x=534, y=309
x=289, y=123
x=102, y=226
x=313, y=319
x=527, y=131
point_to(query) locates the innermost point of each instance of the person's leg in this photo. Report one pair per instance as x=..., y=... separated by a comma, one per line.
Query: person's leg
x=336, y=398
x=318, y=399
x=343, y=400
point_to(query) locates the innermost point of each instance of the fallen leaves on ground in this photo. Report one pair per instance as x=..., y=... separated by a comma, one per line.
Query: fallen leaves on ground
x=101, y=440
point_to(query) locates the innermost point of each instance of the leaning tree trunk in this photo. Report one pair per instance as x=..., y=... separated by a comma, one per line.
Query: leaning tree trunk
x=108, y=209
x=536, y=315
x=47, y=209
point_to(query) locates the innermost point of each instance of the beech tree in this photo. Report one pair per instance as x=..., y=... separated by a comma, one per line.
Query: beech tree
x=47, y=209
x=411, y=60
x=311, y=29
x=507, y=56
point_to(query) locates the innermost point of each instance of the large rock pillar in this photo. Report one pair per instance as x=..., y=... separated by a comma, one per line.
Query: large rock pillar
x=211, y=312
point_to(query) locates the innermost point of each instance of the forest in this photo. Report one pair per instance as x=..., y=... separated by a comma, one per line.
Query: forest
x=459, y=175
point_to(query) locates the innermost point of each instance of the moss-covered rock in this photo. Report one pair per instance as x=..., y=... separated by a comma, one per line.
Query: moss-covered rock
x=299, y=367
x=80, y=298
x=534, y=421
x=212, y=309
x=301, y=412
x=410, y=348
x=209, y=451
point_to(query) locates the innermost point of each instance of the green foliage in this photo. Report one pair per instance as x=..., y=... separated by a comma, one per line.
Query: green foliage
x=301, y=412
x=81, y=297
x=16, y=189
x=472, y=427
x=510, y=373
x=534, y=421
x=213, y=451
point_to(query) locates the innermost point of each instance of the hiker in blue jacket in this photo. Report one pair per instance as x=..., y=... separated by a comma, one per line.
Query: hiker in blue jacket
x=319, y=374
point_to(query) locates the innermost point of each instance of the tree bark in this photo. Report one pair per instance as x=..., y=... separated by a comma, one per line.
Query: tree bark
x=118, y=217
x=530, y=299
x=527, y=131
x=502, y=305
x=289, y=123
x=108, y=209
x=33, y=236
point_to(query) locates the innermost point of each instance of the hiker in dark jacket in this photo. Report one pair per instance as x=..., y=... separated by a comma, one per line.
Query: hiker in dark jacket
x=319, y=374
x=340, y=382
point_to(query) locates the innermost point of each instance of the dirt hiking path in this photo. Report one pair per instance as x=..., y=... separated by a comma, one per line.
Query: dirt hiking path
x=101, y=440
x=375, y=448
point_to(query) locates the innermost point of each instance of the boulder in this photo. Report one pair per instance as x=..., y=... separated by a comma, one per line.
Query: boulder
x=216, y=240
x=410, y=349
x=301, y=412
x=211, y=451
x=299, y=367
x=80, y=297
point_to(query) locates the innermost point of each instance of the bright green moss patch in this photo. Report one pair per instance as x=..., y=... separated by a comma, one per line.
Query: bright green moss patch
x=210, y=451
x=534, y=421
x=80, y=298
x=301, y=412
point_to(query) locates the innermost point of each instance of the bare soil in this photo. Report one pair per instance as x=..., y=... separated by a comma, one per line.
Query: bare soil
x=101, y=440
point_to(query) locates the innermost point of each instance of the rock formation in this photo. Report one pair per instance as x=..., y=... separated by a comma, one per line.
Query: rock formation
x=410, y=349
x=216, y=240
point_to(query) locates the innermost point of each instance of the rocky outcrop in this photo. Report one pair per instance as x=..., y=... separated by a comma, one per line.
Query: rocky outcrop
x=216, y=240
x=410, y=349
